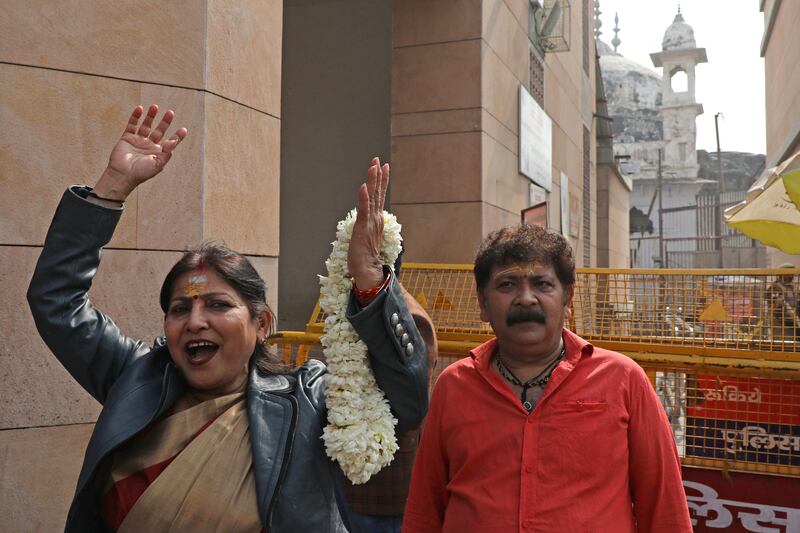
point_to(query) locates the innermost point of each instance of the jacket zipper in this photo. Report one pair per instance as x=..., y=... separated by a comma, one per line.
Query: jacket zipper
x=285, y=461
x=165, y=383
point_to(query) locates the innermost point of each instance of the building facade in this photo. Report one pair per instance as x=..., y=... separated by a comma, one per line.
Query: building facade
x=780, y=48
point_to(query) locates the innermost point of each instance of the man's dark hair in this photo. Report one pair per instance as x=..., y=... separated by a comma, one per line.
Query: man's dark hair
x=238, y=272
x=524, y=244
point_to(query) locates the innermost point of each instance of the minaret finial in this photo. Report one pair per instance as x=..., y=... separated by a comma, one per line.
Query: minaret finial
x=615, y=41
x=597, y=21
x=679, y=17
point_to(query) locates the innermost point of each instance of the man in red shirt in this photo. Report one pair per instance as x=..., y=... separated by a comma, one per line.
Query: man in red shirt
x=538, y=430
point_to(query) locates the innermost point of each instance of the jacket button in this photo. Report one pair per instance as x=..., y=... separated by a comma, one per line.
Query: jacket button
x=405, y=339
x=409, y=349
x=399, y=330
x=394, y=319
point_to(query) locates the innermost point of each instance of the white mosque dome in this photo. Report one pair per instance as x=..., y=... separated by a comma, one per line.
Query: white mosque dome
x=678, y=35
x=633, y=94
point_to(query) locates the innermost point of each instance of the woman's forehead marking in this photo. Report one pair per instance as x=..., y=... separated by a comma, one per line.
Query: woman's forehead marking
x=195, y=285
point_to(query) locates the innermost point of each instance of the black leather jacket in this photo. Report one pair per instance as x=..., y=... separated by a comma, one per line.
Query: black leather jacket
x=136, y=382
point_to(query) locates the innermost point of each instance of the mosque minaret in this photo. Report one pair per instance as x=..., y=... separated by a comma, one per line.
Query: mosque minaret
x=678, y=58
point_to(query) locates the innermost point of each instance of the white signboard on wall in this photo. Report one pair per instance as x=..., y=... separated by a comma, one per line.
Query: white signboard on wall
x=535, y=141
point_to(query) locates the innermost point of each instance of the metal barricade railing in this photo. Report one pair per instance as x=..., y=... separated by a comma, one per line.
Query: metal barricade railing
x=730, y=415
x=720, y=347
x=750, y=313
x=447, y=292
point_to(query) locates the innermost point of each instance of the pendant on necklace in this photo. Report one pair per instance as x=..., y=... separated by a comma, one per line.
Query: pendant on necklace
x=527, y=405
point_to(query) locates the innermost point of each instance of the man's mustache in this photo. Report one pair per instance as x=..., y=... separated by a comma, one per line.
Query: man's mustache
x=525, y=314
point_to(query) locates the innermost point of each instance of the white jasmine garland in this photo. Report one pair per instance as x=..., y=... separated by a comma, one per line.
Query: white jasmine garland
x=360, y=431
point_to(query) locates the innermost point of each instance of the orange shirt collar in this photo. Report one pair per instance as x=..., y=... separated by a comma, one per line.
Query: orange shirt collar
x=577, y=348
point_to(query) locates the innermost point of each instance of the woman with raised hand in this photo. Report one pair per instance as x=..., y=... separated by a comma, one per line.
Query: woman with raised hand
x=205, y=430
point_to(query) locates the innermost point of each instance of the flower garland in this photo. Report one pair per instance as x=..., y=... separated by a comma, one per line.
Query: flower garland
x=360, y=431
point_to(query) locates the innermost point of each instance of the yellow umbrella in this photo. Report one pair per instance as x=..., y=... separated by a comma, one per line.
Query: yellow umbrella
x=768, y=214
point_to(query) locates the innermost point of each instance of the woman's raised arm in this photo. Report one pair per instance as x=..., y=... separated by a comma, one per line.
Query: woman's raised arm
x=88, y=343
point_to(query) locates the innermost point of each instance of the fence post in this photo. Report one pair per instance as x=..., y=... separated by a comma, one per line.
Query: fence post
x=718, y=226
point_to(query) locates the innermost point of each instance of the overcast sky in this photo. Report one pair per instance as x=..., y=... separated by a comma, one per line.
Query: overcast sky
x=731, y=83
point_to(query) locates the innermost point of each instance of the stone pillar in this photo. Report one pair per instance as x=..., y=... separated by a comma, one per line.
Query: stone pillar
x=437, y=177
x=71, y=73
x=455, y=72
x=613, y=218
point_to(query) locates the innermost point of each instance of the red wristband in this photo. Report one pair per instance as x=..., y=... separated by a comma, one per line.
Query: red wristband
x=366, y=296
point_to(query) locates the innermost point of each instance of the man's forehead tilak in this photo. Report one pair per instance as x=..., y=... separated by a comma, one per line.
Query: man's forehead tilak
x=525, y=269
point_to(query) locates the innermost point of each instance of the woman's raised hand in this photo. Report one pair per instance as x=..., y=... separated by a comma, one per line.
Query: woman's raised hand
x=139, y=154
x=363, y=255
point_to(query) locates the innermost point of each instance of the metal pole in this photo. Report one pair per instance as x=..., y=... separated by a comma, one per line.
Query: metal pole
x=721, y=176
x=660, y=214
x=718, y=210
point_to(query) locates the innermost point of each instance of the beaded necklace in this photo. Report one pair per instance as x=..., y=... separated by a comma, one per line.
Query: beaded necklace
x=539, y=380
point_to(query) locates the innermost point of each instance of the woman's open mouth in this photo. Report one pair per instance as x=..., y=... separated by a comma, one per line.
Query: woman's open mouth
x=201, y=351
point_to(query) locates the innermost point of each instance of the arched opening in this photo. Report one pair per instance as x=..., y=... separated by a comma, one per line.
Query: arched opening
x=679, y=81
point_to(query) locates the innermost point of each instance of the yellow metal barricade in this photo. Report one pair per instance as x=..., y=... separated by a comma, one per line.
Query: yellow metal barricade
x=730, y=414
x=722, y=313
x=722, y=349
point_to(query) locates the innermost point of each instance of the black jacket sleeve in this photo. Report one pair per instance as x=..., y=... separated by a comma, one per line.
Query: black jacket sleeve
x=398, y=353
x=86, y=342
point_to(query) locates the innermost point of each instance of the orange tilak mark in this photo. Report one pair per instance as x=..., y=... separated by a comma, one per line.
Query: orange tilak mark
x=526, y=268
x=195, y=286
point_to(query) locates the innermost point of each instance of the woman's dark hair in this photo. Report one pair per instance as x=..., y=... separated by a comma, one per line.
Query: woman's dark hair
x=239, y=273
x=524, y=244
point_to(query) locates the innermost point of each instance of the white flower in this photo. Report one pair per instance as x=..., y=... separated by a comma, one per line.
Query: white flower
x=360, y=431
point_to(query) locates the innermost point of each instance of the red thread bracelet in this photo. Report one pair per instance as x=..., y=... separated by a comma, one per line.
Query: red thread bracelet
x=366, y=296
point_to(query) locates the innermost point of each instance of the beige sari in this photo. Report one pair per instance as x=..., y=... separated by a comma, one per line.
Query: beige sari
x=207, y=483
